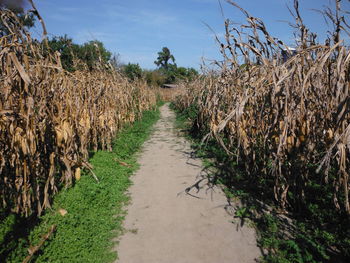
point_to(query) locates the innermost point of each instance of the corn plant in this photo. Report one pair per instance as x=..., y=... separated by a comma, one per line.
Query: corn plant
x=50, y=118
x=283, y=119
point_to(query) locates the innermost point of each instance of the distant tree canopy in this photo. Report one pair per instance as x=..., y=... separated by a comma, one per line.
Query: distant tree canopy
x=186, y=73
x=171, y=73
x=163, y=59
x=154, y=78
x=67, y=49
x=132, y=71
x=92, y=53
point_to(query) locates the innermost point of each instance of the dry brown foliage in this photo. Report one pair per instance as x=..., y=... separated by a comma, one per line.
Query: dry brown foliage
x=169, y=94
x=285, y=120
x=50, y=118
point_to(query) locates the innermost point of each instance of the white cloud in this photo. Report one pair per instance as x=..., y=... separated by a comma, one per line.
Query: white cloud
x=135, y=16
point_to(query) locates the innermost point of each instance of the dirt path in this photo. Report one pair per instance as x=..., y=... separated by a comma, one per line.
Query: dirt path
x=164, y=224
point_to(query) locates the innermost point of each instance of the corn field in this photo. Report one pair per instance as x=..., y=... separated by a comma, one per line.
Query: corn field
x=286, y=121
x=50, y=119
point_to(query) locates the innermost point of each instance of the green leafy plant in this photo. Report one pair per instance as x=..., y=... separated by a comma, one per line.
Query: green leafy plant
x=132, y=71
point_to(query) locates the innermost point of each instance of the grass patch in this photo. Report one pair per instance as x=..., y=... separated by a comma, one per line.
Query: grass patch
x=94, y=210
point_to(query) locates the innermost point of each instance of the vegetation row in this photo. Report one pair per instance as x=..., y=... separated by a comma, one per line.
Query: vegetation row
x=281, y=119
x=50, y=118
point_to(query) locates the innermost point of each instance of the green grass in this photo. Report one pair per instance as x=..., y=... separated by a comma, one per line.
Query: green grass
x=95, y=210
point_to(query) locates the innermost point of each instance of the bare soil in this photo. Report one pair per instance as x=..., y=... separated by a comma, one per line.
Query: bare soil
x=165, y=223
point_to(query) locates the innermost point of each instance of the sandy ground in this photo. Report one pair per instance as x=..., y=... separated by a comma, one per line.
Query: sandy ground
x=165, y=224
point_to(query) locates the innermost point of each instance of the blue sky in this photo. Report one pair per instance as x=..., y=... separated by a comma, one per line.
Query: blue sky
x=138, y=29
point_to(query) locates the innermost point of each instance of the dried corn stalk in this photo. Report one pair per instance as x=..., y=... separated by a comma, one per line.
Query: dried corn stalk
x=50, y=118
x=281, y=119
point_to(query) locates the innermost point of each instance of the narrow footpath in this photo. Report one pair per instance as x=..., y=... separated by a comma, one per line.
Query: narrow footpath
x=166, y=224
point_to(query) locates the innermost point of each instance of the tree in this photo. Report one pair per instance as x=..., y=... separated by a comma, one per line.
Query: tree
x=163, y=59
x=154, y=78
x=94, y=53
x=133, y=71
x=186, y=73
x=67, y=49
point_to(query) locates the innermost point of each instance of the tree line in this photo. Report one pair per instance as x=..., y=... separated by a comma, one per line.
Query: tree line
x=167, y=70
x=93, y=54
